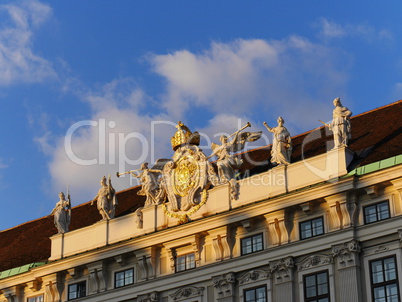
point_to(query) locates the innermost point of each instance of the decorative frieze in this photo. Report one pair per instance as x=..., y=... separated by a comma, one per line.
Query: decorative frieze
x=282, y=269
x=254, y=275
x=187, y=292
x=151, y=297
x=314, y=260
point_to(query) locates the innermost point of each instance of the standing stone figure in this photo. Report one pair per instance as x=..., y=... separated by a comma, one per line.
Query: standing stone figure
x=150, y=185
x=106, y=199
x=282, y=144
x=340, y=124
x=62, y=213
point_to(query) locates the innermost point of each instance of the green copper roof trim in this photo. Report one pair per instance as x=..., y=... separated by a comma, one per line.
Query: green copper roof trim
x=19, y=270
x=376, y=166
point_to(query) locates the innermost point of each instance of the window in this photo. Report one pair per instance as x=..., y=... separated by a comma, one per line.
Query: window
x=258, y=294
x=312, y=228
x=77, y=290
x=376, y=212
x=316, y=288
x=384, y=280
x=36, y=299
x=185, y=262
x=124, y=278
x=251, y=244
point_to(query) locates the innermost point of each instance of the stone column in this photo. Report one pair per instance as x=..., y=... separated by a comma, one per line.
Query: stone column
x=224, y=287
x=282, y=271
x=346, y=256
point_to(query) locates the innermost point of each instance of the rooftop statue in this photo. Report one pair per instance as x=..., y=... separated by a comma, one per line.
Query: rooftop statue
x=106, y=199
x=340, y=124
x=227, y=163
x=62, y=213
x=282, y=144
x=150, y=185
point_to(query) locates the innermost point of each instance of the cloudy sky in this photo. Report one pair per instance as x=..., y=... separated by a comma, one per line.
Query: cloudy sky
x=88, y=88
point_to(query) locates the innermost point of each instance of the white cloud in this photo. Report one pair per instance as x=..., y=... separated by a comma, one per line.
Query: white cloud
x=18, y=62
x=245, y=80
x=255, y=76
x=331, y=30
x=120, y=139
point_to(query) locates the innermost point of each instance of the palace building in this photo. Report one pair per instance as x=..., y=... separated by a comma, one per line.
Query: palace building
x=325, y=227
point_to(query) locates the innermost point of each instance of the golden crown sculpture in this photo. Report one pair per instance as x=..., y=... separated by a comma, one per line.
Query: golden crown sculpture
x=184, y=136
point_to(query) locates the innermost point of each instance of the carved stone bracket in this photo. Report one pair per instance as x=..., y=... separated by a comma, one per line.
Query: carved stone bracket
x=277, y=227
x=97, y=276
x=35, y=285
x=314, y=260
x=146, y=262
x=338, y=208
x=254, y=275
x=282, y=269
x=220, y=240
x=224, y=285
x=121, y=259
x=151, y=297
x=347, y=253
x=187, y=292
x=397, y=183
x=372, y=191
x=307, y=207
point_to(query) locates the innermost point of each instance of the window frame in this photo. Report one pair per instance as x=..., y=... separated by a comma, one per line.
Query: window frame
x=84, y=282
x=255, y=288
x=252, y=243
x=311, y=225
x=124, y=278
x=377, y=212
x=384, y=283
x=29, y=299
x=316, y=297
x=185, y=262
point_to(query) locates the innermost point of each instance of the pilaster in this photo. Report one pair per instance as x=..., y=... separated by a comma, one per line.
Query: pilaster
x=347, y=260
x=282, y=271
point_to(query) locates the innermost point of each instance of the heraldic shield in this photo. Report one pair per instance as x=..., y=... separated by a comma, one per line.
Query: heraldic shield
x=187, y=177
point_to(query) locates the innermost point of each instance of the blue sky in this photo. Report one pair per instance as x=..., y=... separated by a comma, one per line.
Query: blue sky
x=133, y=68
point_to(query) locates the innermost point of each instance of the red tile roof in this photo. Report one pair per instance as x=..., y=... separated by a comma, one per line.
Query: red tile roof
x=376, y=135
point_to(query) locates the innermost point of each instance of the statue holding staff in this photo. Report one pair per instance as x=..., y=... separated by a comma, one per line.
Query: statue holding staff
x=62, y=213
x=106, y=199
x=282, y=143
x=227, y=163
